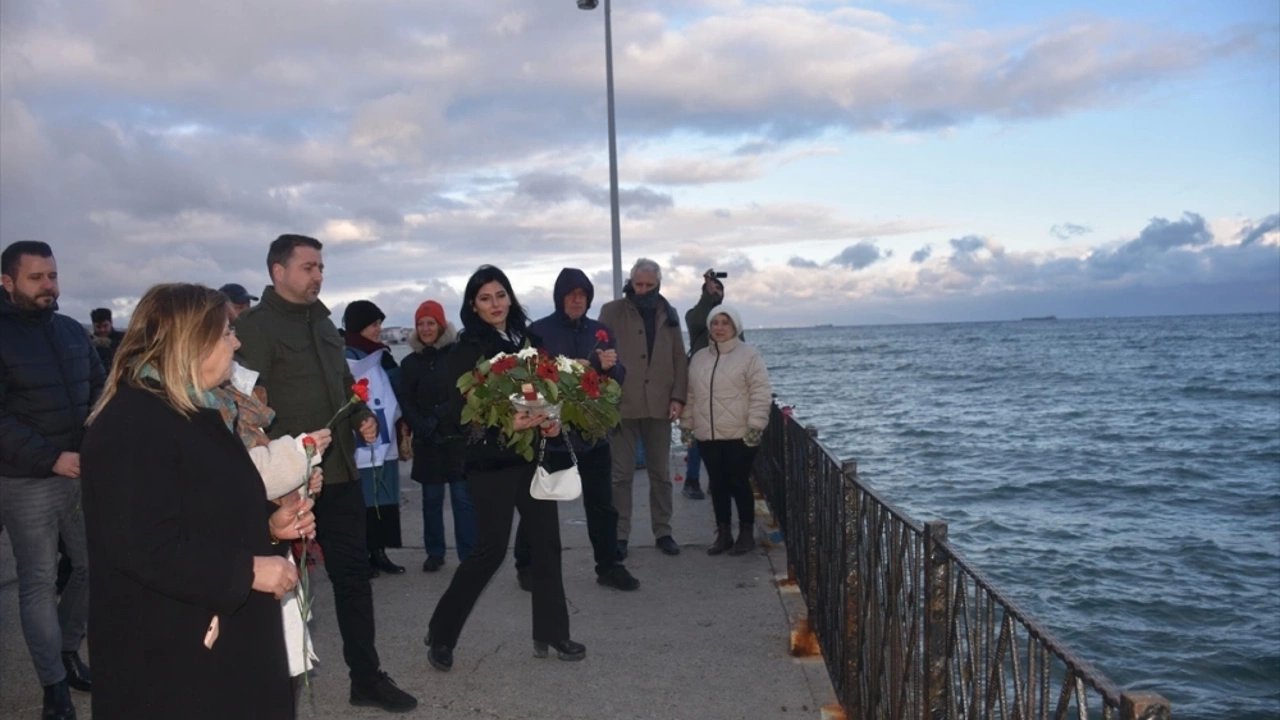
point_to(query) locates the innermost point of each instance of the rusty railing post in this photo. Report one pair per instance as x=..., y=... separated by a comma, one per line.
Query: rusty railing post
x=1144, y=706
x=852, y=591
x=937, y=584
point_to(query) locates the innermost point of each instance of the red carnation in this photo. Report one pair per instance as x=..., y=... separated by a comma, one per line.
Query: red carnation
x=590, y=383
x=503, y=365
x=361, y=389
x=602, y=336
x=309, y=445
x=548, y=371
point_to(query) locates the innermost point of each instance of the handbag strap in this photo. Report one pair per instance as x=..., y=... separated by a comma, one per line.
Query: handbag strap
x=568, y=442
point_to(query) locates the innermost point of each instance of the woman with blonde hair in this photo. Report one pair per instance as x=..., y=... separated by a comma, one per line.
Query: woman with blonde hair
x=184, y=613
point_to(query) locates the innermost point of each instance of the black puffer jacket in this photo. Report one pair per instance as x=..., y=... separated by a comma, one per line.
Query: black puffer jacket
x=50, y=376
x=429, y=390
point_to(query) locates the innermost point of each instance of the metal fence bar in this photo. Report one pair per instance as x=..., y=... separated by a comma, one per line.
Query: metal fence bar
x=909, y=629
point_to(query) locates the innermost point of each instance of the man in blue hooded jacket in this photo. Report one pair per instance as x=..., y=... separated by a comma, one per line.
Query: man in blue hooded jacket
x=569, y=332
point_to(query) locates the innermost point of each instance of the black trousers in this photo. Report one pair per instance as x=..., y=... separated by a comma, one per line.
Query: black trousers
x=595, y=466
x=340, y=531
x=497, y=494
x=729, y=478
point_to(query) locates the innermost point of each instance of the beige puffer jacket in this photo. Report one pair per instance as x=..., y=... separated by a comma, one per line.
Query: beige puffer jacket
x=729, y=391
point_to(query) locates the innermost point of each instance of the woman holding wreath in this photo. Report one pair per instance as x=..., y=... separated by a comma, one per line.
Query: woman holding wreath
x=499, y=477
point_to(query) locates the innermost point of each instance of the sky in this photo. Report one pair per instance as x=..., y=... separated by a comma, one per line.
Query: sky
x=879, y=162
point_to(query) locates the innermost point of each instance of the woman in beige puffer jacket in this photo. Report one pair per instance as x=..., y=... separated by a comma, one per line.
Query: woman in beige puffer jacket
x=727, y=409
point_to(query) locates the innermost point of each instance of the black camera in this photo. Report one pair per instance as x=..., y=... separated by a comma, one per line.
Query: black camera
x=712, y=274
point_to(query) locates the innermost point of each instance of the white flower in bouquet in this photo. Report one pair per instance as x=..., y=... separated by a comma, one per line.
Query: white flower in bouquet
x=527, y=352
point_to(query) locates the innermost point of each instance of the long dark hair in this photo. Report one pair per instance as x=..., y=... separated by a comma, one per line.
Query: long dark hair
x=517, y=321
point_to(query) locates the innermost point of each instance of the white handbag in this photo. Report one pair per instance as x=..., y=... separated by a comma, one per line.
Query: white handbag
x=562, y=485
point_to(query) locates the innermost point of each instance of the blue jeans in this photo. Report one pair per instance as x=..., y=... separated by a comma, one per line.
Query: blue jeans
x=464, y=518
x=35, y=511
x=693, y=468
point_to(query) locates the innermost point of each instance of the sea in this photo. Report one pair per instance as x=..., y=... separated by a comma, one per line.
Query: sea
x=1117, y=478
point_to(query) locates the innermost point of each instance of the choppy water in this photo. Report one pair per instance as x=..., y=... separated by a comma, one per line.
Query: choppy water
x=1118, y=478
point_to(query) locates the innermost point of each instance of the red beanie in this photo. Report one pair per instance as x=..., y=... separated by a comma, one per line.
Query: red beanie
x=432, y=309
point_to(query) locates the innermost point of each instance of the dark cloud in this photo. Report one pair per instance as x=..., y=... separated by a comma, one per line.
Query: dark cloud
x=1252, y=233
x=1153, y=245
x=1066, y=231
x=799, y=262
x=922, y=254
x=859, y=256
x=968, y=244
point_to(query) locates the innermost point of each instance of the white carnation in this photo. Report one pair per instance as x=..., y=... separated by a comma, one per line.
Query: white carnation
x=498, y=357
x=565, y=365
x=526, y=353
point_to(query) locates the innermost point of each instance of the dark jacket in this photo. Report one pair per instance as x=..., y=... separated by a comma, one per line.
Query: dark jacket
x=696, y=321
x=486, y=450
x=50, y=377
x=174, y=515
x=427, y=394
x=298, y=354
x=106, y=347
x=576, y=339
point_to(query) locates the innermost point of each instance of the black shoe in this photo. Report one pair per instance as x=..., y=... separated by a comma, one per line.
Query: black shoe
x=618, y=578
x=432, y=563
x=78, y=676
x=667, y=545
x=692, y=491
x=382, y=693
x=621, y=554
x=565, y=649
x=524, y=576
x=57, y=702
x=378, y=560
x=440, y=656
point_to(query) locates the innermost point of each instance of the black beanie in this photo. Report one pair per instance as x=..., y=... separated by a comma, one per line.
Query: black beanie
x=360, y=315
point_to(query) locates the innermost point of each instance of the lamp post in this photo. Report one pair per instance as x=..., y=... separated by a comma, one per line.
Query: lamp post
x=613, y=144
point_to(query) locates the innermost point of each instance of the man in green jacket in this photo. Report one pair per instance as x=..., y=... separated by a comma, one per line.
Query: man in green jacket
x=290, y=340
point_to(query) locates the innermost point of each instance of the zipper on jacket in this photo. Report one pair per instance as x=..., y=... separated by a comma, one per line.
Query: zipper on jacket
x=711, y=392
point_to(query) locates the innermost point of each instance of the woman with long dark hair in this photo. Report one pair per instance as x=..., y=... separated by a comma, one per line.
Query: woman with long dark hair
x=499, y=477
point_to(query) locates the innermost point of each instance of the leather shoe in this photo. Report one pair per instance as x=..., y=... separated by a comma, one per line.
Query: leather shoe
x=57, y=703
x=383, y=693
x=565, y=649
x=78, y=675
x=621, y=553
x=667, y=545
x=440, y=656
x=432, y=563
x=378, y=560
x=618, y=578
x=692, y=491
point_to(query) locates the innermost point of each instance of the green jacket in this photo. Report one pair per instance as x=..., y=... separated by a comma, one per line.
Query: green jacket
x=696, y=320
x=298, y=354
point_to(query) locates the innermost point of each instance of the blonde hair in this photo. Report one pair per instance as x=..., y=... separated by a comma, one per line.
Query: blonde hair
x=172, y=330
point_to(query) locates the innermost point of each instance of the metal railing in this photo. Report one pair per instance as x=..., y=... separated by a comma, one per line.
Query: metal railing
x=909, y=630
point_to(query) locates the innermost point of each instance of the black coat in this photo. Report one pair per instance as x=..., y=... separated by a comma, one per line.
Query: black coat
x=50, y=376
x=175, y=512
x=427, y=391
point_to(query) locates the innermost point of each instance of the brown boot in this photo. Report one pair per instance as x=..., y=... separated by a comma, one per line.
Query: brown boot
x=724, y=539
x=746, y=540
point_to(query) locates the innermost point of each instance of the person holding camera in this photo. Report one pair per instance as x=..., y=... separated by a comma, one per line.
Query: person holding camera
x=696, y=320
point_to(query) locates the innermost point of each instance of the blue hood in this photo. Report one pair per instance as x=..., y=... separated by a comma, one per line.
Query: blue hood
x=571, y=279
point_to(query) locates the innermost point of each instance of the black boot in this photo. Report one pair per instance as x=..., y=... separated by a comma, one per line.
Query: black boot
x=78, y=676
x=565, y=649
x=57, y=702
x=746, y=540
x=378, y=560
x=693, y=490
x=724, y=539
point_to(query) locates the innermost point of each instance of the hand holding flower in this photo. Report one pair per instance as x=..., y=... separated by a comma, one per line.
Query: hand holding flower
x=293, y=519
x=359, y=394
x=274, y=575
x=608, y=358
x=525, y=420
x=320, y=440
x=369, y=429
x=316, y=483
x=551, y=428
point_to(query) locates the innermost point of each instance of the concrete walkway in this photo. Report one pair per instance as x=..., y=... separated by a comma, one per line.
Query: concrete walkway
x=704, y=637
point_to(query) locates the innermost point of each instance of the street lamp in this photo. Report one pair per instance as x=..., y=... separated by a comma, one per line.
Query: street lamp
x=613, y=144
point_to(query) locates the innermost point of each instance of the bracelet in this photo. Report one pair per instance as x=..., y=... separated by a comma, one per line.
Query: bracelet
x=271, y=534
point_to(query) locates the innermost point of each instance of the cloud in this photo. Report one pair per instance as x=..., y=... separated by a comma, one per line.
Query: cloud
x=859, y=256
x=1066, y=231
x=1254, y=233
x=799, y=262
x=922, y=254
x=1152, y=245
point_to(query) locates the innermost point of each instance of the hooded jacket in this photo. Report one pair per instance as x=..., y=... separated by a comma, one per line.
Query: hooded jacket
x=652, y=382
x=576, y=339
x=428, y=389
x=50, y=377
x=729, y=390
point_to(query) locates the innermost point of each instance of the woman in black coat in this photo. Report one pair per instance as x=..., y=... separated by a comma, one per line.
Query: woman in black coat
x=184, y=611
x=499, y=477
x=438, y=446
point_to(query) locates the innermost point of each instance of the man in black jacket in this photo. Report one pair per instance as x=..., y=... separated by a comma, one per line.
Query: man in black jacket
x=50, y=377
